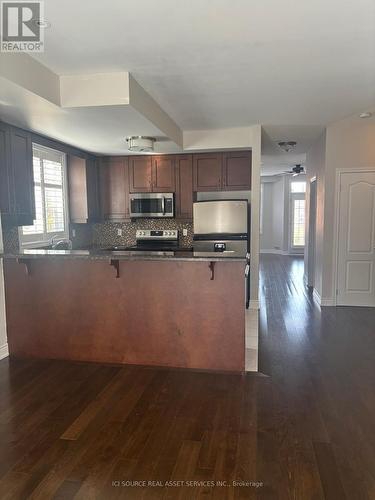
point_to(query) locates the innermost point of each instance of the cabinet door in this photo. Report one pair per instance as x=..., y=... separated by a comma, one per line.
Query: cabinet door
x=163, y=174
x=140, y=174
x=78, y=207
x=207, y=172
x=6, y=185
x=23, y=178
x=237, y=170
x=184, y=187
x=114, y=188
x=92, y=188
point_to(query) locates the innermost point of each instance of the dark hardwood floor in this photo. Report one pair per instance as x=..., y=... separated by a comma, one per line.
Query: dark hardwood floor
x=302, y=430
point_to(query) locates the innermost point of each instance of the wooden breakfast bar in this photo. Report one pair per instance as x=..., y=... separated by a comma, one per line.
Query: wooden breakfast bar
x=181, y=311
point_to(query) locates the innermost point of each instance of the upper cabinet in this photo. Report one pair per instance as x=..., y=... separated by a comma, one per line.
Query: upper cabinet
x=140, y=174
x=184, y=186
x=163, y=174
x=237, y=170
x=83, y=190
x=17, y=199
x=207, y=172
x=114, y=188
x=222, y=171
x=149, y=174
x=6, y=184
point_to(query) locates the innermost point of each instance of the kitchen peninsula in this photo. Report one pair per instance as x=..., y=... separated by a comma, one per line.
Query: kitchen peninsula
x=180, y=310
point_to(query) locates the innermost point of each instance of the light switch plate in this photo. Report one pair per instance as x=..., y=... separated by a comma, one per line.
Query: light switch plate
x=184, y=232
x=119, y=232
x=73, y=233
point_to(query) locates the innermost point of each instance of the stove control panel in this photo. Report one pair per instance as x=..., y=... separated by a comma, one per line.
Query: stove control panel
x=152, y=234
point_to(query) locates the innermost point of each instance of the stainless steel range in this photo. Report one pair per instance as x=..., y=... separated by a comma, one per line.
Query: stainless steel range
x=150, y=240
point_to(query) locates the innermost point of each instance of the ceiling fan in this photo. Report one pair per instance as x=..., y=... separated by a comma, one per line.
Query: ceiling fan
x=296, y=170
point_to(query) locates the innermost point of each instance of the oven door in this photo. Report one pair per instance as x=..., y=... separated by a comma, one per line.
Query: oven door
x=151, y=205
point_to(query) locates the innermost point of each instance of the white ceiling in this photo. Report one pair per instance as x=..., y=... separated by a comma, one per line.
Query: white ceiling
x=294, y=66
x=98, y=129
x=220, y=63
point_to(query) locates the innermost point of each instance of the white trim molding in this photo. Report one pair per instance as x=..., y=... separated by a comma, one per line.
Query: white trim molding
x=4, y=351
x=274, y=251
x=323, y=301
x=254, y=305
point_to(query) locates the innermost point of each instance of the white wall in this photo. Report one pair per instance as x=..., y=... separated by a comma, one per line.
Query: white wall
x=3, y=334
x=346, y=144
x=276, y=213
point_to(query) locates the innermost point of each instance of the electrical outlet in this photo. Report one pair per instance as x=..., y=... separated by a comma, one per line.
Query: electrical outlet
x=119, y=232
x=184, y=232
x=73, y=233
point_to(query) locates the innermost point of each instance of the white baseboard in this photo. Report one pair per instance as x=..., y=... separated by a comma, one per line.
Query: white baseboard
x=254, y=304
x=274, y=251
x=323, y=301
x=4, y=351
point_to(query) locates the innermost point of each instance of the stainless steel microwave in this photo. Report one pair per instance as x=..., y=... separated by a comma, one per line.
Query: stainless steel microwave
x=151, y=205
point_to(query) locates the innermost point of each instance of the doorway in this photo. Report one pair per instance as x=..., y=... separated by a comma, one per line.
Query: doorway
x=356, y=239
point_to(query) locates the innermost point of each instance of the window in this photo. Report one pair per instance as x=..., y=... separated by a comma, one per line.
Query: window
x=298, y=233
x=50, y=198
x=297, y=194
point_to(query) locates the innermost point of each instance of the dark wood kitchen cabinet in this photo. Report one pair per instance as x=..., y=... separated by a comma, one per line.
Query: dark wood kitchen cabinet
x=163, y=174
x=114, y=188
x=207, y=171
x=83, y=186
x=140, y=174
x=6, y=184
x=184, y=187
x=149, y=174
x=237, y=170
x=17, y=198
x=222, y=171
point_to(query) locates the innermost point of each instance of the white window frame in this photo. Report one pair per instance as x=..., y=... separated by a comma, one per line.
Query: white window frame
x=298, y=249
x=44, y=239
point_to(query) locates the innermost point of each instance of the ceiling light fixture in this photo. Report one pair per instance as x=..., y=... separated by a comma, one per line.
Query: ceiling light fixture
x=366, y=114
x=140, y=143
x=287, y=145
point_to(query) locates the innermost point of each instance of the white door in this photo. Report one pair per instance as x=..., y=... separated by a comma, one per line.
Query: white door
x=356, y=242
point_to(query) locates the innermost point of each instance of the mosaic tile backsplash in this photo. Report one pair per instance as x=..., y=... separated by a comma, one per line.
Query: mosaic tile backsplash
x=10, y=239
x=105, y=234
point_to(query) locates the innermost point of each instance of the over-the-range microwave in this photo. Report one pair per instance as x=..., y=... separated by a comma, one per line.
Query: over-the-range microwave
x=151, y=205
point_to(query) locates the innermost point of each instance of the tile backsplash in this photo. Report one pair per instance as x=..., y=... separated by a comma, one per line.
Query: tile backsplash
x=105, y=234
x=10, y=239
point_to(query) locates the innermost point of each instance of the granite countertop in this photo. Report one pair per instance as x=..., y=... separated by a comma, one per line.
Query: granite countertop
x=97, y=254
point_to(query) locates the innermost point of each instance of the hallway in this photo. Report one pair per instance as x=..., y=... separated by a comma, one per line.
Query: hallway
x=322, y=400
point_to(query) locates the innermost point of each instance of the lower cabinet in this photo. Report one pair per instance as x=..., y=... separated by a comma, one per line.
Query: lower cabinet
x=114, y=188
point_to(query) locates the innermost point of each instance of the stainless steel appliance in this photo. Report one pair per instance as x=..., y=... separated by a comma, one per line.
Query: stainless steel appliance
x=154, y=241
x=222, y=226
x=151, y=205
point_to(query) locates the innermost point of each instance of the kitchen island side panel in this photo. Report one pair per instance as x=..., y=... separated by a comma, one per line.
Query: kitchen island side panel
x=154, y=313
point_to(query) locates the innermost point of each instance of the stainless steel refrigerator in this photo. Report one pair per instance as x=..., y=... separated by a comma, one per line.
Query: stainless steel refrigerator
x=222, y=226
